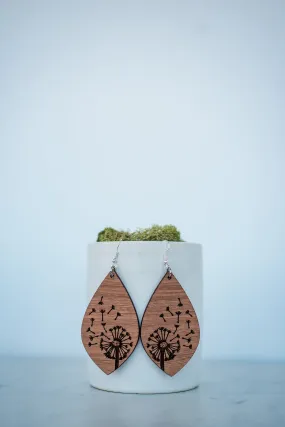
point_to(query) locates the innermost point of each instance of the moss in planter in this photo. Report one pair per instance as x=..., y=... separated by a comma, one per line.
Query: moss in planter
x=111, y=235
x=154, y=233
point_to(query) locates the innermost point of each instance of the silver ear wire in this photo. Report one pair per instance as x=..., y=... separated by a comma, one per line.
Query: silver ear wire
x=165, y=258
x=115, y=259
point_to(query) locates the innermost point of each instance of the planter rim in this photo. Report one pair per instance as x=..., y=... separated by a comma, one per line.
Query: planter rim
x=155, y=242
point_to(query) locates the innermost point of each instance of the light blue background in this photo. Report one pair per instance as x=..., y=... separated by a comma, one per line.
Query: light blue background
x=132, y=113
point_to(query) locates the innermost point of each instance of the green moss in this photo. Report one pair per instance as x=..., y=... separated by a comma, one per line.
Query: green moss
x=111, y=235
x=154, y=233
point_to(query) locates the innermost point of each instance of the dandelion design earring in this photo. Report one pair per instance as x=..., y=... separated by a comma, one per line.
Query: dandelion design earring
x=110, y=328
x=170, y=331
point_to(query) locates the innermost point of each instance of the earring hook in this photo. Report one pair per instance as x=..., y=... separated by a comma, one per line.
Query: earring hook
x=115, y=259
x=165, y=257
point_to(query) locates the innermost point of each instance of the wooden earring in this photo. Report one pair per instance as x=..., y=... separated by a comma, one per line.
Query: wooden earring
x=170, y=331
x=110, y=328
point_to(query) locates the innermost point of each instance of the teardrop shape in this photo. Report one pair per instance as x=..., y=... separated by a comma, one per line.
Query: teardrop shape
x=110, y=327
x=170, y=330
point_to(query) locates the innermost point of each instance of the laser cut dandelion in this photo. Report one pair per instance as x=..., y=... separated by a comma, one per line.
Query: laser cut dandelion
x=161, y=347
x=116, y=345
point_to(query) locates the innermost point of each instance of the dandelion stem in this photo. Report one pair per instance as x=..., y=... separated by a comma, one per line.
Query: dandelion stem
x=162, y=360
x=117, y=358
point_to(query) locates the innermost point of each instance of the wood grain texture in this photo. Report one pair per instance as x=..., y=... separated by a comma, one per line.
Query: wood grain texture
x=170, y=330
x=110, y=327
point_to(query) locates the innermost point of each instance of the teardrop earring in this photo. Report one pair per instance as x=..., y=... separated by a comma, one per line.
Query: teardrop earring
x=170, y=330
x=110, y=328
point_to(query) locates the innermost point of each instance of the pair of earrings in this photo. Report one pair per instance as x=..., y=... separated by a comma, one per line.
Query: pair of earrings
x=169, y=331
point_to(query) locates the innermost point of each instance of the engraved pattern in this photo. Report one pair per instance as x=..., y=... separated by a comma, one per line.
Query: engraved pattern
x=108, y=343
x=170, y=329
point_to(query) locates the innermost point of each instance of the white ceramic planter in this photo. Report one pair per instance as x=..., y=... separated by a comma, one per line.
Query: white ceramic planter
x=140, y=267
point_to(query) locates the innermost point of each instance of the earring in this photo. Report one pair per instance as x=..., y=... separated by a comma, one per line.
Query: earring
x=110, y=328
x=170, y=330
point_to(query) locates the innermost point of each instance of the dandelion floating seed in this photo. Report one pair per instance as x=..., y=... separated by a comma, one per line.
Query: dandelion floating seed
x=161, y=348
x=92, y=311
x=178, y=314
x=188, y=312
x=92, y=332
x=112, y=308
x=188, y=323
x=95, y=343
x=179, y=303
x=118, y=315
x=176, y=327
x=92, y=321
x=187, y=339
x=190, y=333
x=101, y=301
x=189, y=346
x=102, y=312
x=168, y=309
x=118, y=345
x=104, y=324
x=162, y=316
